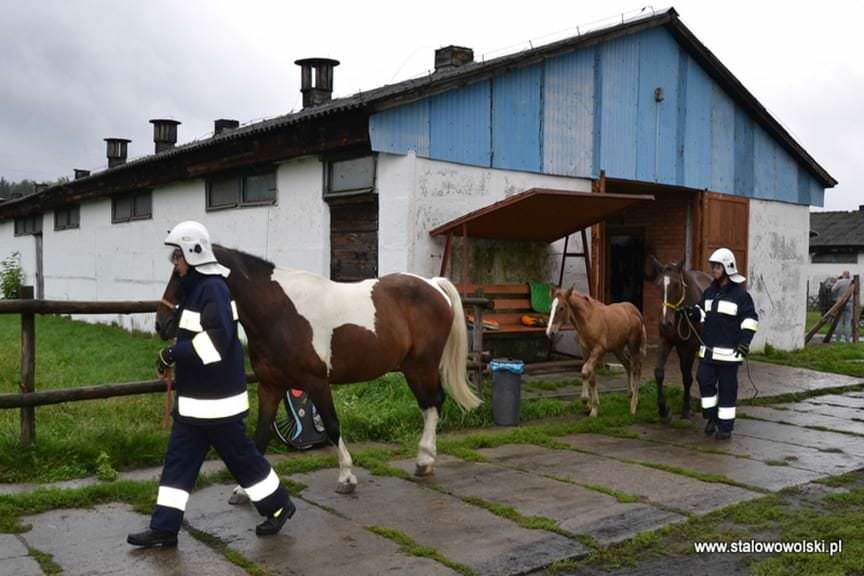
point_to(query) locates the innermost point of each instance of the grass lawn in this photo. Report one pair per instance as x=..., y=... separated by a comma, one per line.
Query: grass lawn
x=70, y=437
x=838, y=358
x=813, y=317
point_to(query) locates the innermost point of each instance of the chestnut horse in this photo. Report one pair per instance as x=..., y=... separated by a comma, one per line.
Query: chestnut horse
x=680, y=288
x=308, y=333
x=617, y=328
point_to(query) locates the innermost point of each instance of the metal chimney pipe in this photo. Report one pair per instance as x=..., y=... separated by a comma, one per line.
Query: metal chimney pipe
x=117, y=148
x=164, y=133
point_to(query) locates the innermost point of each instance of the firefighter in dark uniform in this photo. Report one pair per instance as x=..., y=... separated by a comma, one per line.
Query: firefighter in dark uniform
x=211, y=400
x=729, y=321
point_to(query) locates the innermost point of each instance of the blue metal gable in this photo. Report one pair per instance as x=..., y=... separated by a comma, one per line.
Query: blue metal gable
x=639, y=107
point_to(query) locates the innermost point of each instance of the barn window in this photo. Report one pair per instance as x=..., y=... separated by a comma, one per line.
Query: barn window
x=349, y=176
x=835, y=258
x=135, y=206
x=27, y=225
x=238, y=190
x=67, y=218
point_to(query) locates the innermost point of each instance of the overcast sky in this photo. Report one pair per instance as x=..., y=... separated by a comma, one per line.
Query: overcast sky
x=74, y=72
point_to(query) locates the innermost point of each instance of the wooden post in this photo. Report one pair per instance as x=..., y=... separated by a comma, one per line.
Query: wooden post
x=563, y=262
x=832, y=314
x=446, y=258
x=856, y=308
x=465, y=279
x=586, y=250
x=477, y=373
x=28, y=369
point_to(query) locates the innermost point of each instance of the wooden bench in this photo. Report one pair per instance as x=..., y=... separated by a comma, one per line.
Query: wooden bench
x=508, y=304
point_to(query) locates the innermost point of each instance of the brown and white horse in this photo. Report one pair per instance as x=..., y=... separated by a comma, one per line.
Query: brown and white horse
x=617, y=328
x=307, y=332
x=680, y=288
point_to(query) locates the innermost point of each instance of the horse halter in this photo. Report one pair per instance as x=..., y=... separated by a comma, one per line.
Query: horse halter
x=168, y=304
x=677, y=306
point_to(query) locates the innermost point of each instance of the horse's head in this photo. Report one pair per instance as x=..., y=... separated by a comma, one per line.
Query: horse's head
x=673, y=286
x=166, y=316
x=564, y=304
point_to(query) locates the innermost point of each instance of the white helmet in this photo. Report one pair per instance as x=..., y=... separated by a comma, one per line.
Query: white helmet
x=725, y=257
x=193, y=240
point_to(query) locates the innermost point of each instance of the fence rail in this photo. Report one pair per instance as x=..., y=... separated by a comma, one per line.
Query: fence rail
x=29, y=306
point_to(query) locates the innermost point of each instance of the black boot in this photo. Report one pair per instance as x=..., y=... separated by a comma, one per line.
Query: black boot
x=721, y=435
x=274, y=522
x=153, y=538
x=710, y=427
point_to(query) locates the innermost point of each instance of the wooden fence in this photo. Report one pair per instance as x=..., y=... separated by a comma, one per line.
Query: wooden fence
x=28, y=398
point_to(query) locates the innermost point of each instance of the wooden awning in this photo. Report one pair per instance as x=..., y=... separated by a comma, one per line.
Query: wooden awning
x=539, y=214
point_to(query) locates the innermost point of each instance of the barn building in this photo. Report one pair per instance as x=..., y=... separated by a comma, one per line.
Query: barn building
x=351, y=187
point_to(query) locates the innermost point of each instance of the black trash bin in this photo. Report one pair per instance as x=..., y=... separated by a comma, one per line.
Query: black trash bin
x=506, y=390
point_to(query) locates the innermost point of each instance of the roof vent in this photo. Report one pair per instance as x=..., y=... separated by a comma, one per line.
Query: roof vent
x=223, y=125
x=117, y=148
x=164, y=133
x=316, y=80
x=451, y=57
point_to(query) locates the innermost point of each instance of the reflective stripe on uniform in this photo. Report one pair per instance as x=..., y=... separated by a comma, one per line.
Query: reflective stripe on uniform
x=205, y=349
x=727, y=307
x=234, y=314
x=212, y=408
x=708, y=304
x=750, y=324
x=709, y=401
x=264, y=488
x=726, y=413
x=190, y=321
x=721, y=354
x=172, y=498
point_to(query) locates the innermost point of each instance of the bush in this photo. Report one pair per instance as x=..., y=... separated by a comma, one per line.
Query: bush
x=104, y=470
x=11, y=276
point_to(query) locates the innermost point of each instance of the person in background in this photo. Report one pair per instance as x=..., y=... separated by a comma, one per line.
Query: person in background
x=844, y=328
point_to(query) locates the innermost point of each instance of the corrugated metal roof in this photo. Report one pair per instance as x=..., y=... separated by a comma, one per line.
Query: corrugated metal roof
x=414, y=89
x=837, y=229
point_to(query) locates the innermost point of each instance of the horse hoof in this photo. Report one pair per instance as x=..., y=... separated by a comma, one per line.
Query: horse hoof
x=424, y=470
x=345, y=488
x=238, y=499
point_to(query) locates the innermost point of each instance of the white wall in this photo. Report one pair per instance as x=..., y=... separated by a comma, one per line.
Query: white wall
x=418, y=194
x=105, y=261
x=24, y=245
x=778, y=269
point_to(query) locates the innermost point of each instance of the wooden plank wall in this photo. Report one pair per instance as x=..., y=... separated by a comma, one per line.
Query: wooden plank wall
x=354, y=238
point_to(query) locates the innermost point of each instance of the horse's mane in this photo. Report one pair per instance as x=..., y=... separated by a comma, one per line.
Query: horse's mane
x=252, y=264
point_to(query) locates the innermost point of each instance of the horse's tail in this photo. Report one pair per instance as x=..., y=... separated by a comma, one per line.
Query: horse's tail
x=454, y=362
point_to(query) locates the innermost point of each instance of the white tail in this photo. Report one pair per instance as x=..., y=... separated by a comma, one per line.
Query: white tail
x=454, y=362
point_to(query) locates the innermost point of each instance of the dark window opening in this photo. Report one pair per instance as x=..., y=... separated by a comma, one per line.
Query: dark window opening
x=349, y=177
x=67, y=218
x=258, y=189
x=135, y=206
x=27, y=225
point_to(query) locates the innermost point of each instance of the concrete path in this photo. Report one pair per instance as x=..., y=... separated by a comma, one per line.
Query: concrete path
x=599, y=491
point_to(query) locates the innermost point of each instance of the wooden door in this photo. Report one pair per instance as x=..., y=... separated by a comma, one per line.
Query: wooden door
x=354, y=238
x=722, y=222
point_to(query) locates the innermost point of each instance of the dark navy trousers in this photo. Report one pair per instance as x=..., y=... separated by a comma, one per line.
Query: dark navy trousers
x=187, y=448
x=718, y=385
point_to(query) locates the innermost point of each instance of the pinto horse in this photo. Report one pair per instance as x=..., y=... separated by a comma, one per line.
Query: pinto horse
x=681, y=288
x=309, y=333
x=617, y=328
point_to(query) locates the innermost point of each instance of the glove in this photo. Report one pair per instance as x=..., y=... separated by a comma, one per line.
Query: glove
x=165, y=360
x=692, y=313
x=743, y=350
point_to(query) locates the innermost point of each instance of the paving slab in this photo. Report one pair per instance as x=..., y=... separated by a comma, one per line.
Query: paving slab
x=680, y=493
x=803, y=419
x=93, y=542
x=466, y=534
x=741, y=470
x=790, y=434
x=576, y=509
x=314, y=542
x=776, y=379
x=854, y=414
x=15, y=559
x=843, y=400
x=796, y=456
